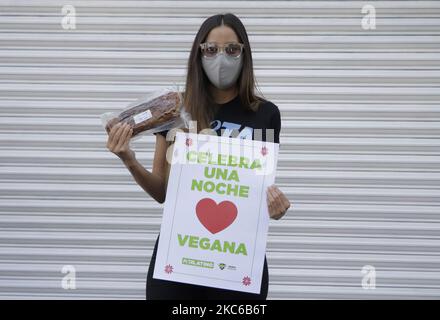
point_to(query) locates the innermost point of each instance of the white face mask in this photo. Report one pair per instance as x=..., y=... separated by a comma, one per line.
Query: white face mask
x=222, y=70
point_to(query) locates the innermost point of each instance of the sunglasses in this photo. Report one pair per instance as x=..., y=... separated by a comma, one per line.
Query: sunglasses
x=212, y=49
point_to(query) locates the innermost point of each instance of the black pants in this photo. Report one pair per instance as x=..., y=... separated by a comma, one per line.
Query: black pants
x=157, y=289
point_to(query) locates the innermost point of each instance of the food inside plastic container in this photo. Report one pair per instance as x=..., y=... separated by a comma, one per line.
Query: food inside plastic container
x=159, y=111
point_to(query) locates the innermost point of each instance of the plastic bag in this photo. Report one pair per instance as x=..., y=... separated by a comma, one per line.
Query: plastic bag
x=157, y=111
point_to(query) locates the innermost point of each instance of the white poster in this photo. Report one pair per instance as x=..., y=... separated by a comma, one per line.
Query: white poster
x=215, y=218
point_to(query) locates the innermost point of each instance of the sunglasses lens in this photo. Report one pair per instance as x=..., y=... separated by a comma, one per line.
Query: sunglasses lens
x=233, y=50
x=210, y=50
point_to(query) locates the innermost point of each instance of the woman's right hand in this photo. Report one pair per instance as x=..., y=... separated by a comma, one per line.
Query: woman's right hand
x=118, y=141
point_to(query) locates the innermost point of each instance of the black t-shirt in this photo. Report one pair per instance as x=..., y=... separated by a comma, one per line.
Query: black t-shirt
x=233, y=120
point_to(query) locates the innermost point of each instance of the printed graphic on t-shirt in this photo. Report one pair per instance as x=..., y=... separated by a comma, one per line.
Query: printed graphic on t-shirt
x=230, y=129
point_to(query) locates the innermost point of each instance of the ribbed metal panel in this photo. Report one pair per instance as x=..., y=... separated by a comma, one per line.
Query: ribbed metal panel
x=359, y=157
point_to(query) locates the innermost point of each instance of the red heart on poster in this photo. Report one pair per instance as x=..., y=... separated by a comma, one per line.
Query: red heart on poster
x=216, y=217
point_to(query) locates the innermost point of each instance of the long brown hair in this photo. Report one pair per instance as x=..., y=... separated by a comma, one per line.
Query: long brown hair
x=197, y=98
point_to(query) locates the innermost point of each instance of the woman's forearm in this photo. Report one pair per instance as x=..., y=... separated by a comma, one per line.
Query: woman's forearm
x=153, y=184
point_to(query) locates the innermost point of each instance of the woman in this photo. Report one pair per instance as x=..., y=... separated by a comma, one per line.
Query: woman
x=219, y=95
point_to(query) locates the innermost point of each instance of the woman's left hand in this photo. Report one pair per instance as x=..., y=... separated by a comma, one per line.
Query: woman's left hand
x=277, y=202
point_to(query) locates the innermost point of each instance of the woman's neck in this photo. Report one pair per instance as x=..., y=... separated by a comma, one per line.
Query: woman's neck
x=223, y=96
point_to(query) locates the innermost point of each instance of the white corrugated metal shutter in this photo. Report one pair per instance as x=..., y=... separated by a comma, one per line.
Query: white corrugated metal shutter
x=359, y=145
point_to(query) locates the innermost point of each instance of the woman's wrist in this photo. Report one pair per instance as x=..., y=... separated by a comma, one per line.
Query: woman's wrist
x=128, y=159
